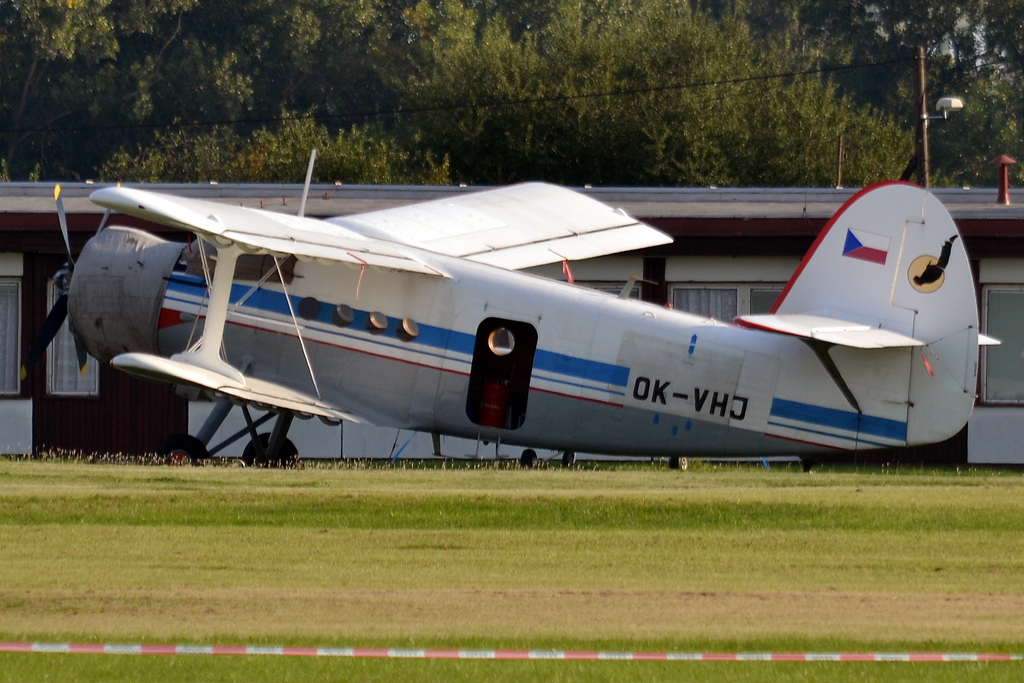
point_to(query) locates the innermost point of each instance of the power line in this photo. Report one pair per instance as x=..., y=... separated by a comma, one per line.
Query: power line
x=402, y=111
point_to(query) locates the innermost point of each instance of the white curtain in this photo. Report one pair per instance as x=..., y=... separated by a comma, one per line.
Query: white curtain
x=10, y=313
x=717, y=303
x=63, y=375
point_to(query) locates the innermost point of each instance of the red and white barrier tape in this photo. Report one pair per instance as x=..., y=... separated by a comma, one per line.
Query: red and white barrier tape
x=364, y=652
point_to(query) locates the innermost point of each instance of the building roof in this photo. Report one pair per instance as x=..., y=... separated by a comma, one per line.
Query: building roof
x=738, y=221
x=642, y=202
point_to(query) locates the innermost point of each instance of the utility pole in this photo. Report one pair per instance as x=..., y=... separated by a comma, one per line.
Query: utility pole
x=921, y=110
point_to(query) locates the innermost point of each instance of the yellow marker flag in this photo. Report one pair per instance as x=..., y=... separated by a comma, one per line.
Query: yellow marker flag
x=24, y=373
x=56, y=192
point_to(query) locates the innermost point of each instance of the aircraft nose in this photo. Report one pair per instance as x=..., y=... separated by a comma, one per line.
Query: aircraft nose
x=117, y=290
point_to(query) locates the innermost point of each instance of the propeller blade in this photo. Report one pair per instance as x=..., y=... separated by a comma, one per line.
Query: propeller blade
x=51, y=326
x=83, y=356
x=63, y=222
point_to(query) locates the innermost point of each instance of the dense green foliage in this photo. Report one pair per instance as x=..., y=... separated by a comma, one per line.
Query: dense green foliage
x=658, y=92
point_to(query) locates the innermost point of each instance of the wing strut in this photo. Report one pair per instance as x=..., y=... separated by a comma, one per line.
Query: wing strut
x=298, y=330
x=821, y=351
x=208, y=354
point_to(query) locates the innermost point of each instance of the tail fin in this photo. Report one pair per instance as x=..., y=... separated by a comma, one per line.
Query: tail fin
x=892, y=259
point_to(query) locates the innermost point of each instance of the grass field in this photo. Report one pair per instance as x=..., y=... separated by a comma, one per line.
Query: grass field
x=624, y=558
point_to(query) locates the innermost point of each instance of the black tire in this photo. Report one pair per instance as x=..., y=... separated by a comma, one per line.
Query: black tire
x=568, y=459
x=182, y=449
x=287, y=456
x=808, y=465
x=673, y=463
x=528, y=459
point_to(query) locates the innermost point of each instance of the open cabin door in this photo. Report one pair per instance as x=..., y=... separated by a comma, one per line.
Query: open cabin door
x=499, y=381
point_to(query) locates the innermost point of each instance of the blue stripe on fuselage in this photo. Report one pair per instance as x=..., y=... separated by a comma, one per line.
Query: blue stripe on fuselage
x=839, y=419
x=429, y=335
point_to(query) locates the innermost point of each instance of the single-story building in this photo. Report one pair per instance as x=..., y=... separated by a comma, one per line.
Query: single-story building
x=733, y=251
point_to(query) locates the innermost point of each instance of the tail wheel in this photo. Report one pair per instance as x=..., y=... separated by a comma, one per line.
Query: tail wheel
x=528, y=459
x=182, y=449
x=568, y=459
x=287, y=455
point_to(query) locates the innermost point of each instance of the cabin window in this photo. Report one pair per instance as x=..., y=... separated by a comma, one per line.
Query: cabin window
x=63, y=377
x=1003, y=365
x=10, y=336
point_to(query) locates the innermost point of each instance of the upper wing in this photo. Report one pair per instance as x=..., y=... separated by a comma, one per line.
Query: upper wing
x=512, y=227
x=262, y=231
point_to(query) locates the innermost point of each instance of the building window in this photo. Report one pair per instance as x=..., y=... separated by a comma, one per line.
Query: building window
x=720, y=303
x=763, y=298
x=63, y=377
x=725, y=301
x=1004, y=364
x=10, y=336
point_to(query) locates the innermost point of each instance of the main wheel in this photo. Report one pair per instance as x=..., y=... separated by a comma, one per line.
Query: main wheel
x=528, y=459
x=287, y=455
x=677, y=463
x=568, y=459
x=182, y=449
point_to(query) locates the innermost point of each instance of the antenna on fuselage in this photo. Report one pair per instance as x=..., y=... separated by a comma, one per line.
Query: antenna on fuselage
x=627, y=289
x=305, y=188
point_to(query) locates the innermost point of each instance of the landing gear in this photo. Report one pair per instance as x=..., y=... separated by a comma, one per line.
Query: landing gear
x=528, y=459
x=676, y=463
x=287, y=454
x=182, y=449
x=568, y=459
x=270, y=450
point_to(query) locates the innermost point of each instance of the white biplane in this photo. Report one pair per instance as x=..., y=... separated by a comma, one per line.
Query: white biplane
x=416, y=318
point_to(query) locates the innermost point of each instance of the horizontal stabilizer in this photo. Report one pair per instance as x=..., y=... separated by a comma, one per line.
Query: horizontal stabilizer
x=831, y=330
x=250, y=390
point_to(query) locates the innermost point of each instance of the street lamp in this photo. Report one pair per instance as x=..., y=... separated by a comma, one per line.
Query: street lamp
x=945, y=105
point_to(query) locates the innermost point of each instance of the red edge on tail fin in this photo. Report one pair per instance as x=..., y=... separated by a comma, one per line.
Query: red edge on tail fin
x=824, y=231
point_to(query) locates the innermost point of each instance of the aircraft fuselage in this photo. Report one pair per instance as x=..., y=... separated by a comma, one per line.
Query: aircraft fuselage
x=587, y=371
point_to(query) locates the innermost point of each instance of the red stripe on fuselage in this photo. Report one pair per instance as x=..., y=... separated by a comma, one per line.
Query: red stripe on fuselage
x=168, y=318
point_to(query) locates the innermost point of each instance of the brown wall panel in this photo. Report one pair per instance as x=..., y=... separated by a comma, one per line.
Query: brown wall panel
x=129, y=416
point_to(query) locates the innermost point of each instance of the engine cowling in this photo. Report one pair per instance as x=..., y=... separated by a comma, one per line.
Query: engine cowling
x=117, y=291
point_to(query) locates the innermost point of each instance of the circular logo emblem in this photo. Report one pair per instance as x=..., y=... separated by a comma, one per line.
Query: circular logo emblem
x=925, y=274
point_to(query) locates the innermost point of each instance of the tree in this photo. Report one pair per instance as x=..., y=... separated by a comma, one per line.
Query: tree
x=357, y=155
x=636, y=93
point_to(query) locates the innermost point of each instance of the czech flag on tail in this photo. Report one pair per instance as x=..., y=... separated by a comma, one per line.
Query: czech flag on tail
x=866, y=246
